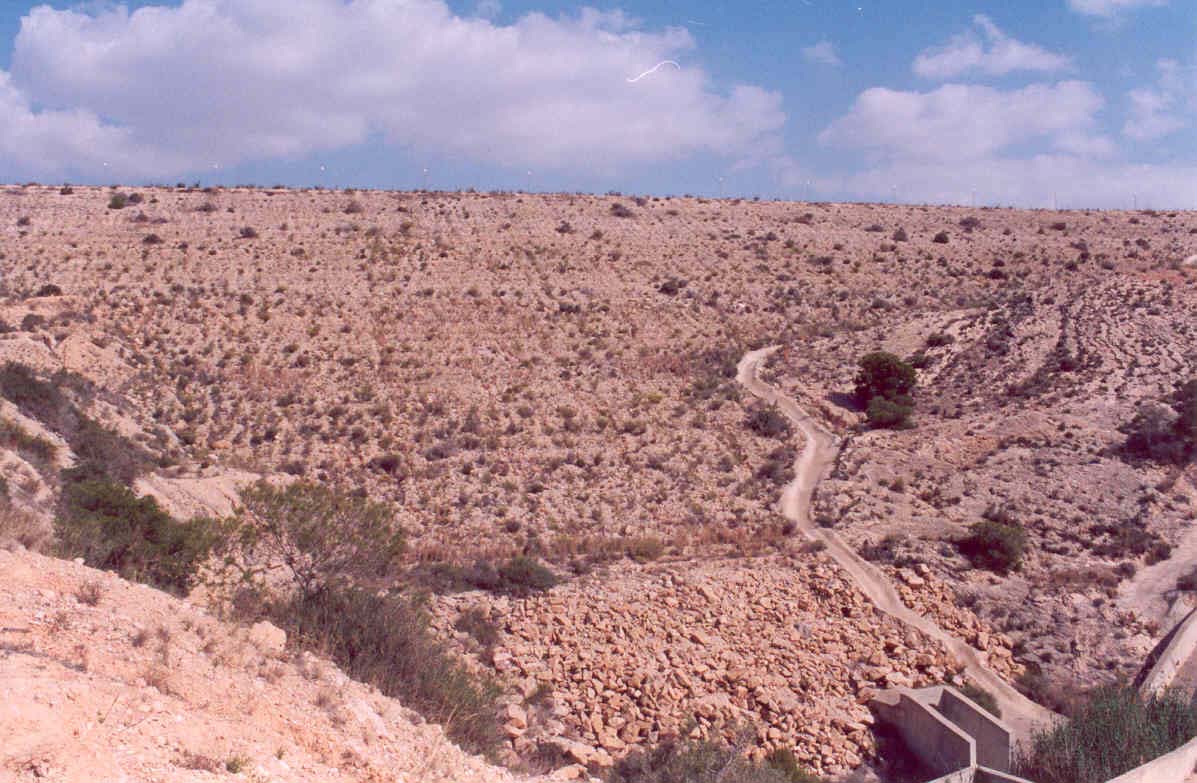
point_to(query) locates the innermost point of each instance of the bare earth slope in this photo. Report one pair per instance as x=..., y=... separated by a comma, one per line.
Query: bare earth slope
x=143, y=687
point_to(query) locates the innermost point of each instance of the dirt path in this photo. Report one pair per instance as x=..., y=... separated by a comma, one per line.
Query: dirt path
x=1018, y=712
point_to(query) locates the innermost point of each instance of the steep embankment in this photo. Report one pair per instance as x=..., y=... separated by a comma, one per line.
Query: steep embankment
x=103, y=679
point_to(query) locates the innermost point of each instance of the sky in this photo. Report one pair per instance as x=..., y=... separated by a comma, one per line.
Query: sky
x=1031, y=103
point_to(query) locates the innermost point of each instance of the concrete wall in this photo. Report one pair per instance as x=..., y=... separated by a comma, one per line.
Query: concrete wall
x=986, y=775
x=938, y=743
x=1182, y=646
x=992, y=737
x=1174, y=767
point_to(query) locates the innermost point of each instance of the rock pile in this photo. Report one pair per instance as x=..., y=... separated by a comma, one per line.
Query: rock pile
x=783, y=643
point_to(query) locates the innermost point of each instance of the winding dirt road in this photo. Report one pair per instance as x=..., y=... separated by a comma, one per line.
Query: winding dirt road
x=1018, y=712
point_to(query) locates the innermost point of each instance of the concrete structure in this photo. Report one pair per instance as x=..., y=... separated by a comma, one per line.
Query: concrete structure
x=962, y=743
x=954, y=736
x=1174, y=656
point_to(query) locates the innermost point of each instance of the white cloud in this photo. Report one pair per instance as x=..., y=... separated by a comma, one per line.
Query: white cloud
x=169, y=89
x=1165, y=108
x=958, y=122
x=1069, y=181
x=823, y=53
x=1109, y=8
x=992, y=52
x=1022, y=147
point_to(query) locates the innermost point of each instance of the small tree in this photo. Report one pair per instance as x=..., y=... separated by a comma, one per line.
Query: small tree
x=322, y=536
x=884, y=388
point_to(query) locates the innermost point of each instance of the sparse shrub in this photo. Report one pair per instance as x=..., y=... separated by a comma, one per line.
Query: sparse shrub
x=939, y=339
x=1114, y=731
x=386, y=641
x=248, y=232
x=118, y=201
x=322, y=536
x=478, y=625
x=620, y=211
x=22, y=527
x=704, y=761
x=354, y=208
x=768, y=422
x=900, y=235
x=996, y=546
x=151, y=239
x=49, y=289
x=525, y=575
x=645, y=548
x=1164, y=436
x=940, y=238
x=90, y=592
x=23, y=221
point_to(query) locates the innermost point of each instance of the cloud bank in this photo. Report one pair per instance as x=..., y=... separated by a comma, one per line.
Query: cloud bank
x=174, y=89
x=992, y=52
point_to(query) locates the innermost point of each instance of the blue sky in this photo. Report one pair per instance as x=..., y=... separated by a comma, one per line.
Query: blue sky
x=1074, y=102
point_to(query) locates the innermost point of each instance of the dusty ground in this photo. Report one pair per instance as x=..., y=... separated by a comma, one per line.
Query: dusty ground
x=528, y=373
x=141, y=687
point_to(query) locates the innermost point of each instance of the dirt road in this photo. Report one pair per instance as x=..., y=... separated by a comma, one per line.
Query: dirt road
x=1018, y=712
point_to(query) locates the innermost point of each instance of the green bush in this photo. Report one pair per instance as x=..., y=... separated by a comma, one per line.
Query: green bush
x=112, y=528
x=884, y=387
x=520, y=576
x=321, y=535
x=386, y=642
x=996, y=546
x=886, y=414
x=1115, y=731
x=118, y=201
x=768, y=422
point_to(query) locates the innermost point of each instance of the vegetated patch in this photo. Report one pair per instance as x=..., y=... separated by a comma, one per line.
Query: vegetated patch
x=1164, y=436
x=520, y=576
x=996, y=543
x=38, y=452
x=111, y=528
x=768, y=422
x=322, y=535
x=385, y=641
x=1114, y=731
x=884, y=388
x=675, y=760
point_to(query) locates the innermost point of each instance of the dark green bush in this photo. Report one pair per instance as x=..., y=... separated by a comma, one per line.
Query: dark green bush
x=519, y=576
x=386, y=642
x=768, y=422
x=111, y=528
x=1115, y=731
x=886, y=414
x=883, y=375
x=995, y=546
x=118, y=201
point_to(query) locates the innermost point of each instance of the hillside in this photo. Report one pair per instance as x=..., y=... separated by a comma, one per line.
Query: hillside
x=554, y=376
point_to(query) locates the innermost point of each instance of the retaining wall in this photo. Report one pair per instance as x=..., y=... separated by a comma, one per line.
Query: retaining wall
x=1179, y=650
x=939, y=744
x=992, y=737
